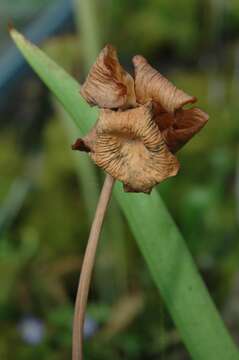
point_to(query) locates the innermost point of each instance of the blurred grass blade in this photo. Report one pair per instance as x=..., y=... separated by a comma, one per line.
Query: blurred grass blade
x=87, y=22
x=14, y=202
x=163, y=247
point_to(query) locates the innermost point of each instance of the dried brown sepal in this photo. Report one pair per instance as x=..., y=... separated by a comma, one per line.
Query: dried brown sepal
x=108, y=85
x=151, y=85
x=87, y=142
x=127, y=188
x=80, y=145
x=129, y=146
x=187, y=123
x=163, y=119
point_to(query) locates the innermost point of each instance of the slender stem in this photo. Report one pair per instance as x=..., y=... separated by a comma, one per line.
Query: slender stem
x=87, y=267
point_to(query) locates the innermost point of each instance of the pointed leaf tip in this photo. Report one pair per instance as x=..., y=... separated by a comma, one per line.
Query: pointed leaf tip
x=10, y=26
x=16, y=35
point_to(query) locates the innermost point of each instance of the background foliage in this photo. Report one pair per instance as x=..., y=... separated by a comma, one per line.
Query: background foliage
x=45, y=213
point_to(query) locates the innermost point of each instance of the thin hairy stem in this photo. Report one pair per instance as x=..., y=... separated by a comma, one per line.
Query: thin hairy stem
x=87, y=267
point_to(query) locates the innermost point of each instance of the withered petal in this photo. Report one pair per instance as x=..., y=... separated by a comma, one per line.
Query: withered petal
x=108, y=85
x=130, y=147
x=151, y=85
x=187, y=123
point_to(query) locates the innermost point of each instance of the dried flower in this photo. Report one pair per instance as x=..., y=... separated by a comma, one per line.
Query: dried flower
x=141, y=124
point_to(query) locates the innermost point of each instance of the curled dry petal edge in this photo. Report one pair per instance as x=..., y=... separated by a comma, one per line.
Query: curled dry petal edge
x=108, y=85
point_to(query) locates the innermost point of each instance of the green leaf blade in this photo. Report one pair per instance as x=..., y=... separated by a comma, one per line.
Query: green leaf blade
x=163, y=247
x=175, y=274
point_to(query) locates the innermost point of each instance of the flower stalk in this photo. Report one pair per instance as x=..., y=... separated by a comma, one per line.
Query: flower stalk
x=87, y=268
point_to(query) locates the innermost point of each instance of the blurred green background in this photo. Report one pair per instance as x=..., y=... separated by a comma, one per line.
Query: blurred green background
x=48, y=193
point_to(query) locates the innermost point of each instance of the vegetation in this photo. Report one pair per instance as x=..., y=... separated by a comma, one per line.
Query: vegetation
x=40, y=255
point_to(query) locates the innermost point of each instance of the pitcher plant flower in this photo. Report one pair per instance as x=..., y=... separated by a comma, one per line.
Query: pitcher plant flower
x=142, y=122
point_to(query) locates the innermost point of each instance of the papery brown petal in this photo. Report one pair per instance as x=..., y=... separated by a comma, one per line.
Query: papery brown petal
x=151, y=85
x=108, y=85
x=187, y=124
x=130, y=147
